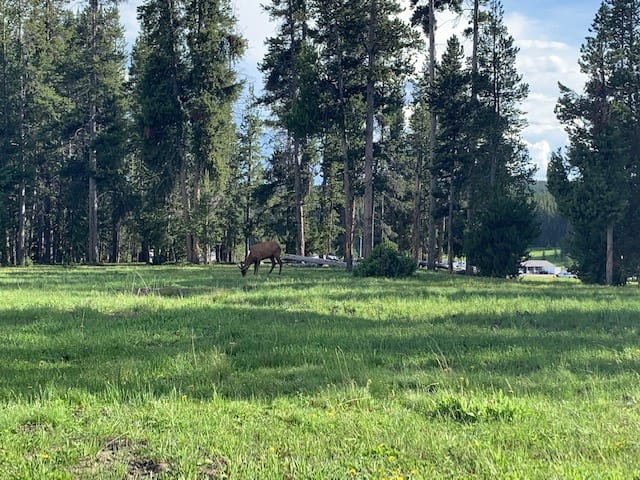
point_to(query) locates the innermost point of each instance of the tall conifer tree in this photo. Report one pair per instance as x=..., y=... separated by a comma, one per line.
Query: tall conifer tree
x=32, y=105
x=292, y=93
x=185, y=86
x=425, y=15
x=99, y=105
x=342, y=30
x=451, y=102
x=388, y=41
x=595, y=181
x=500, y=179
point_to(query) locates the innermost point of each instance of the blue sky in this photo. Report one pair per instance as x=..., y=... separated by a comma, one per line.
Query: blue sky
x=548, y=32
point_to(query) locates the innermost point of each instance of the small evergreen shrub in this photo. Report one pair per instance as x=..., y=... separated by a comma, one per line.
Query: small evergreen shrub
x=385, y=261
x=500, y=238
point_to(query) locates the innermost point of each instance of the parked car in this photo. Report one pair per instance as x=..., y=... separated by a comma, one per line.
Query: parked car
x=566, y=275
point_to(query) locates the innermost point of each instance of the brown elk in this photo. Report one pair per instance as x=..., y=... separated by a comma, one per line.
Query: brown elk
x=259, y=252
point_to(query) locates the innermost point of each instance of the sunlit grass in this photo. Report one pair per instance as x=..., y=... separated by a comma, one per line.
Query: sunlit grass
x=196, y=372
x=554, y=255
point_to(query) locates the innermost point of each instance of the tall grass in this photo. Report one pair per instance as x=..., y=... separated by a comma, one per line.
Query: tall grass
x=196, y=372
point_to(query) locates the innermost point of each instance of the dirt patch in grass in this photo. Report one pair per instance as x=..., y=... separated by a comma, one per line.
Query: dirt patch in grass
x=31, y=427
x=146, y=468
x=215, y=468
x=121, y=451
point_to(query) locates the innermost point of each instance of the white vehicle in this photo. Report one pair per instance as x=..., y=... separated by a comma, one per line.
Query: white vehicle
x=566, y=275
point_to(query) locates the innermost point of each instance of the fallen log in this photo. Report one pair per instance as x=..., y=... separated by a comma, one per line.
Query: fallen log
x=314, y=260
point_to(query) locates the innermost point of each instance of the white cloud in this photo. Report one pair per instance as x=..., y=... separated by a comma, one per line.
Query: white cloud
x=543, y=62
x=129, y=19
x=541, y=44
x=254, y=25
x=540, y=155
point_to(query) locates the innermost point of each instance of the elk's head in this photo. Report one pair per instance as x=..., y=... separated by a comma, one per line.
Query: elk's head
x=243, y=268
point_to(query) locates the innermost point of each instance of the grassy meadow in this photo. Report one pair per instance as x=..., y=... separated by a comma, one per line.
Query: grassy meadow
x=125, y=372
x=553, y=255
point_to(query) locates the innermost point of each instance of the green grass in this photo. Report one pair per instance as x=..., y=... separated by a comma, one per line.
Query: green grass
x=553, y=255
x=197, y=373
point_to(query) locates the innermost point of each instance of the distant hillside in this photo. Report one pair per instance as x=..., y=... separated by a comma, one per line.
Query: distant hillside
x=553, y=227
x=540, y=186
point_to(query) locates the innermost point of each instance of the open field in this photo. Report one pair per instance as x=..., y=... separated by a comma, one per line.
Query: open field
x=197, y=373
x=554, y=255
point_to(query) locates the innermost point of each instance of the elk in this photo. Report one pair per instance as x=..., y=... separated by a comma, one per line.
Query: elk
x=259, y=252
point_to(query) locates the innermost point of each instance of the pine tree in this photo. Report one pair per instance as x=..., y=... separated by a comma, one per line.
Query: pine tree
x=101, y=111
x=500, y=178
x=425, y=15
x=158, y=76
x=500, y=92
x=419, y=130
x=292, y=93
x=250, y=169
x=450, y=100
x=185, y=86
x=595, y=181
x=364, y=56
x=342, y=30
x=211, y=89
x=32, y=46
x=394, y=167
x=388, y=41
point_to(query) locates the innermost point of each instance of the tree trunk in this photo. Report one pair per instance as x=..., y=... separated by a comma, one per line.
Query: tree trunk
x=474, y=52
x=4, y=250
x=367, y=227
x=186, y=211
x=609, y=264
x=432, y=253
x=349, y=207
x=416, y=244
x=22, y=226
x=471, y=209
x=247, y=211
x=92, y=247
x=22, y=200
x=248, y=228
x=92, y=253
x=299, y=194
x=197, y=198
x=48, y=235
x=450, y=226
x=115, y=243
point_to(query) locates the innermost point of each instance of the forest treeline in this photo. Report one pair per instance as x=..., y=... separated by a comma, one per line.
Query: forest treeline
x=159, y=153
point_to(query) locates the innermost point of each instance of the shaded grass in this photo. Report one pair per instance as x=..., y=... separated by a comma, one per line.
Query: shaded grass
x=196, y=372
